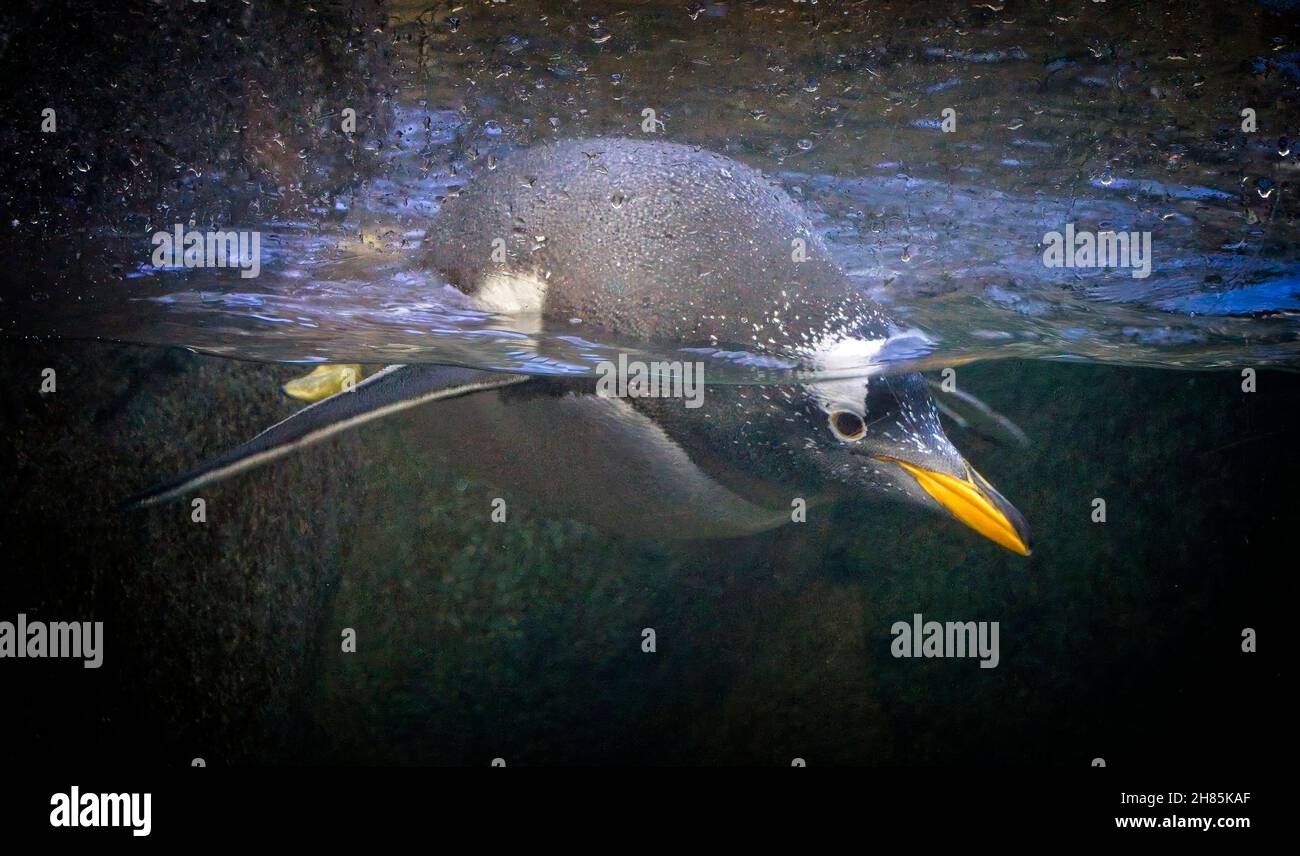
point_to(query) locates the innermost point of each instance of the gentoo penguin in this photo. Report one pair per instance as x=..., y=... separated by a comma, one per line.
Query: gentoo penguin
x=677, y=247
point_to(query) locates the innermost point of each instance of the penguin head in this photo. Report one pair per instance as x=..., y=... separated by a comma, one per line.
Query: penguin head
x=882, y=435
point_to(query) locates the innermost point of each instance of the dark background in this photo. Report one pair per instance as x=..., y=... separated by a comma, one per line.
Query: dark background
x=1119, y=641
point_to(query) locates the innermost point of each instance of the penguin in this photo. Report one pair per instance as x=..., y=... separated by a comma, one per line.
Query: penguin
x=675, y=247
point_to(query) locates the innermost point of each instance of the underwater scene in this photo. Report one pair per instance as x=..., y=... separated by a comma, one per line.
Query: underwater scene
x=518, y=383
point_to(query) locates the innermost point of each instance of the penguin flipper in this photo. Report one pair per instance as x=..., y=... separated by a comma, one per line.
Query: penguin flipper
x=387, y=391
x=969, y=412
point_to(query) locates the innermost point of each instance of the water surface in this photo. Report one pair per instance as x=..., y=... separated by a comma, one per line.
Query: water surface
x=1104, y=116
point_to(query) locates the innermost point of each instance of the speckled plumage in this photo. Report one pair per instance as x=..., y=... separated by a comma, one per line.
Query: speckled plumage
x=652, y=240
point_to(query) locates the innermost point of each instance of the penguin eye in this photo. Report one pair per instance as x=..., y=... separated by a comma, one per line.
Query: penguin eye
x=847, y=425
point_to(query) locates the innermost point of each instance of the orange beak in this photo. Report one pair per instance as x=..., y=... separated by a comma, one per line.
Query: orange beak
x=974, y=502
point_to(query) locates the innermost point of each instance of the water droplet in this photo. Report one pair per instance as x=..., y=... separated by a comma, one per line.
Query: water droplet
x=805, y=144
x=492, y=161
x=618, y=199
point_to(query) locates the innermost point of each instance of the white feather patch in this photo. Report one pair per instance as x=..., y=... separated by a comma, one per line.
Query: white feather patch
x=511, y=294
x=848, y=359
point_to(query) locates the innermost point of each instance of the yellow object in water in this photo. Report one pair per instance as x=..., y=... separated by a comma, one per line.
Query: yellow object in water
x=323, y=381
